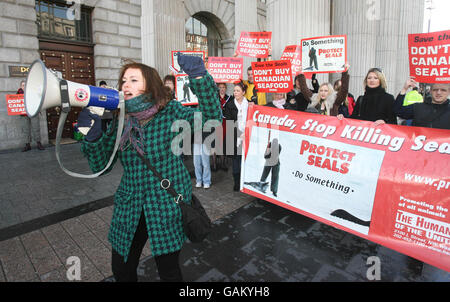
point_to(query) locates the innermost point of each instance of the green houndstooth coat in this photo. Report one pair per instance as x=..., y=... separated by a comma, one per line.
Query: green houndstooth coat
x=139, y=189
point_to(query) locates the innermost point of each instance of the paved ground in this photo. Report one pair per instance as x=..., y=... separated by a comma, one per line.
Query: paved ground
x=47, y=217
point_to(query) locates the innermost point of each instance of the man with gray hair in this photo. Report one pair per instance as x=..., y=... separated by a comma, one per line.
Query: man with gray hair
x=432, y=113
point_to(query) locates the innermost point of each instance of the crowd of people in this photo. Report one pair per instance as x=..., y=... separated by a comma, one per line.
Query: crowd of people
x=144, y=211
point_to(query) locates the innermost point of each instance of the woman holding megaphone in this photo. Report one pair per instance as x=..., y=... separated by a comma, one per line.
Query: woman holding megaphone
x=142, y=209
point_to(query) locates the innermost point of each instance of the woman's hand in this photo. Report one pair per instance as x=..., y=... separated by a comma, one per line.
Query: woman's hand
x=346, y=67
x=379, y=122
x=340, y=117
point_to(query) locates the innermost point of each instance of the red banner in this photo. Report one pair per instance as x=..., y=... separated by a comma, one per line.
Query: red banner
x=273, y=76
x=293, y=54
x=254, y=44
x=388, y=184
x=226, y=70
x=15, y=104
x=429, y=57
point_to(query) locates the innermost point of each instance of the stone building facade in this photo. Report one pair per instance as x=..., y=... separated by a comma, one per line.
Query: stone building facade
x=147, y=31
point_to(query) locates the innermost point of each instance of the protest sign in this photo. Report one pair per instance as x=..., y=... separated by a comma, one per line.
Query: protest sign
x=324, y=54
x=183, y=93
x=293, y=54
x=15, y=104
x=254, y=44
x=175, y=64
x=388, y=184
x=429, y=57
x=273, y=76
x=226, y=70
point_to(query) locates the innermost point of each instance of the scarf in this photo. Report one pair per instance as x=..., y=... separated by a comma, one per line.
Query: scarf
x=138, y=109
x=241, y=117
x=280, y=103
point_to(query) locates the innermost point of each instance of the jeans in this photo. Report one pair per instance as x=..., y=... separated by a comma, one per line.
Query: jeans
x=202, y=164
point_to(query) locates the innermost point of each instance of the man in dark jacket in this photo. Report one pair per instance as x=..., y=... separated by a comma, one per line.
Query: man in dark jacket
x=432, y=113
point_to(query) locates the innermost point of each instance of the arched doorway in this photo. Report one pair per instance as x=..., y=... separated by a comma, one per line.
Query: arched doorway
x=205, y=32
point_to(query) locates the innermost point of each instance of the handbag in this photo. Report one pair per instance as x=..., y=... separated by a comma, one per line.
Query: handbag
x=196, y=223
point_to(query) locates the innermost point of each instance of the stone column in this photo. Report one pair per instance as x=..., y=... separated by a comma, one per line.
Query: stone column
x=246, y=19
x=162, y=31
x=377, y=33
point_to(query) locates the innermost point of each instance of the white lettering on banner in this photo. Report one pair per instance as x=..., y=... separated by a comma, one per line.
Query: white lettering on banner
x=372, y=136
x=428, y=225
x=274, y=120
x=430, y=146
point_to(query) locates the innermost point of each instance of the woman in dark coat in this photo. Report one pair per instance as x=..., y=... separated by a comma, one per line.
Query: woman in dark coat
x=376, y=105
x=235, y=110
x=142, y=209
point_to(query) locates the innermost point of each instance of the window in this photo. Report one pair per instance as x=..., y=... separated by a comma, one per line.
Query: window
x=58, y=20
x=202, y=37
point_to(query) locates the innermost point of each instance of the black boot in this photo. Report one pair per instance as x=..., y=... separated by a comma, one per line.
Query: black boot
x=26, y=148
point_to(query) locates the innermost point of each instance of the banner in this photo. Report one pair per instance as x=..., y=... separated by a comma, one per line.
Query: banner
x=254, y=44
x=293, y=54
x=273, y=76
x=175, y=64
x=387, y=184
x=183, y=93
x=429, y=57
x=15, y=104
x=324, y=54
x=226, y=70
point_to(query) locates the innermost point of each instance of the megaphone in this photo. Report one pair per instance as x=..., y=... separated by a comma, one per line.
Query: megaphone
x=43, y=90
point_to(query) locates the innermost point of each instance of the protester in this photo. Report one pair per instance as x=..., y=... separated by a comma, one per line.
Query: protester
x=220, y=161
x=296, y=99
x=376, y=105
x=411, y=98
x=142, y=209
x=32, y=127
x=346, y=109
x=252, y=94
x=202, y=164
x=236, y=110
x=327, y=101
x=279, y=101
x=434, y=112
x=169, y=81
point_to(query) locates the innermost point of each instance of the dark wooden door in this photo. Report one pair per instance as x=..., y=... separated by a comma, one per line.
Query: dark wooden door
x=74, y=66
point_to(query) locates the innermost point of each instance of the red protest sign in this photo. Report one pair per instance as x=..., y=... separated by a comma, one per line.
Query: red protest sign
x=429, y=57
x=254, y=44
x=225, y=70
x=15, y=104
x=387, y=184
x=273, y=76
x=293, y=54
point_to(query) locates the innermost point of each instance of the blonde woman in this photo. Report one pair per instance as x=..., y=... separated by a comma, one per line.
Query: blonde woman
x=376, y=104
x=327, y=101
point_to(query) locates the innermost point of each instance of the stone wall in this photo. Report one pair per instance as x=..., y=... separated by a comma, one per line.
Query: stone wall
x=19, y=46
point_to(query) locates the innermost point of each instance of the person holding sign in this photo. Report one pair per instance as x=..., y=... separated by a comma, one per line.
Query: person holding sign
x=252, y=94
x=432, y=113
x=142, y=209
x=327, y=101
x=236, y=110
x=376, y=105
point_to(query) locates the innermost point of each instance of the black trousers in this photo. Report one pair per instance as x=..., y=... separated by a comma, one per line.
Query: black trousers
x=274, y=180
x=168, y=265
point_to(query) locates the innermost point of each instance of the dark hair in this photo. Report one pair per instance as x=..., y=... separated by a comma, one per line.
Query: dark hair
x=169, y=77
x=242, y=86
x=250, y=68
x=154, y=85
x=102, y=83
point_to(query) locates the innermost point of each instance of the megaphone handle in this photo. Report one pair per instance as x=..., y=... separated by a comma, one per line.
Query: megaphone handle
x=62, y=120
